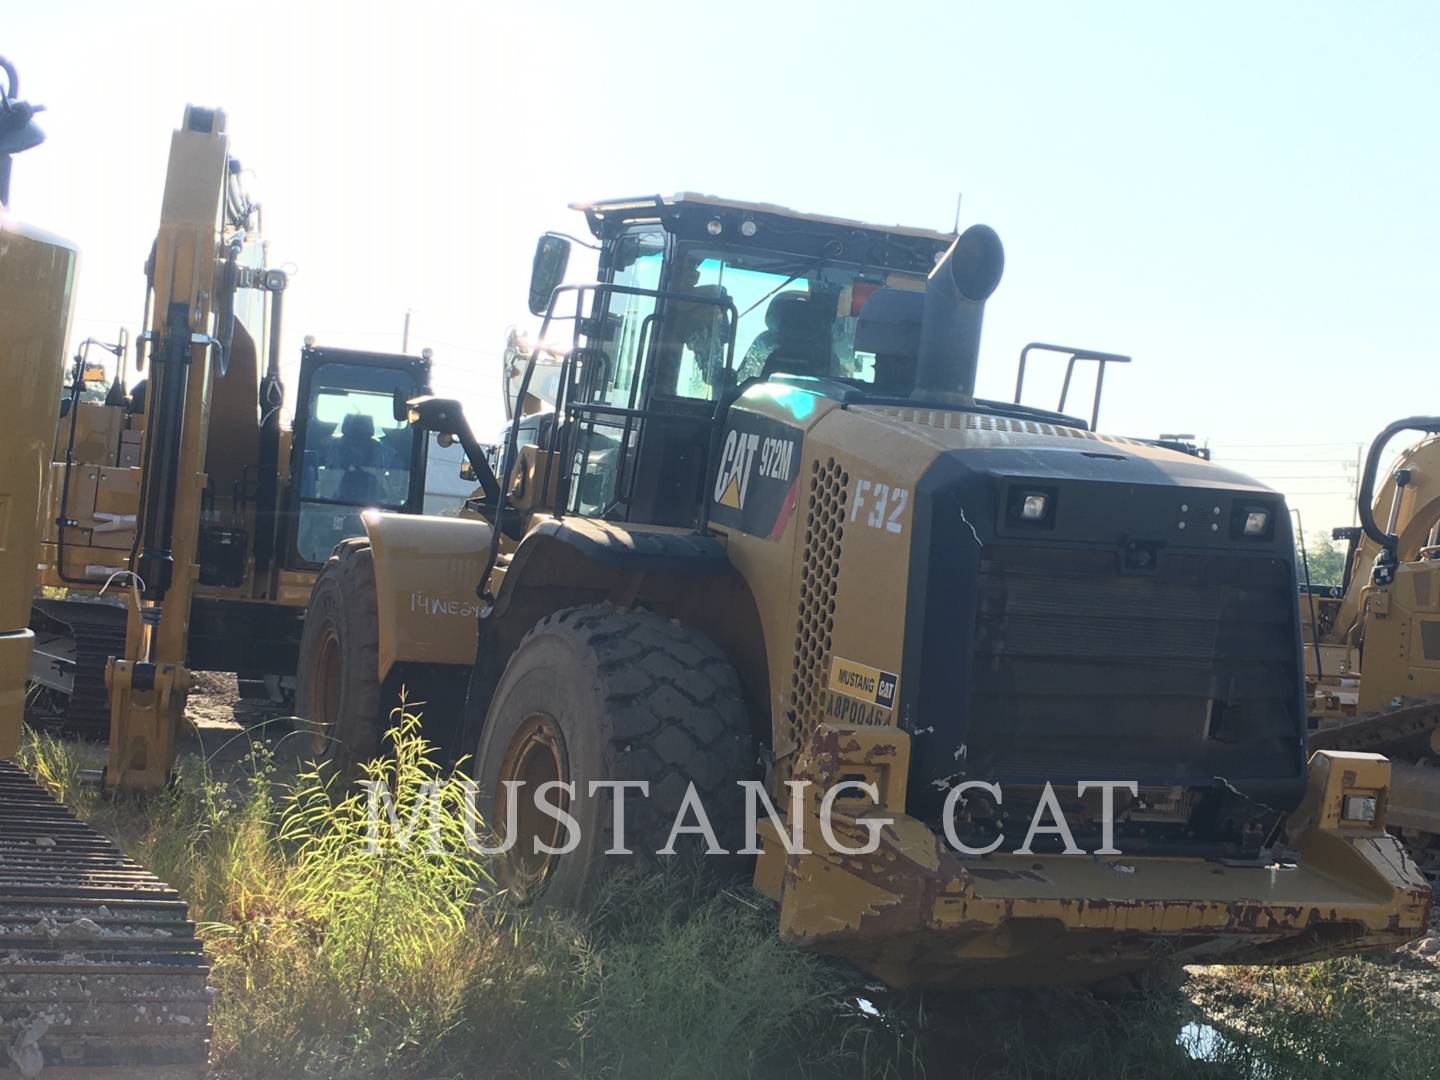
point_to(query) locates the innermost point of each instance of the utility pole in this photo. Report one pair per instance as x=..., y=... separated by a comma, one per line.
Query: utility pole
x=1355, y=483
x=405, y=334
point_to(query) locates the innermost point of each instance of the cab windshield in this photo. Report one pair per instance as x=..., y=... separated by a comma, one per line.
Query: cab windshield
x=355, y=454
x=797, y=315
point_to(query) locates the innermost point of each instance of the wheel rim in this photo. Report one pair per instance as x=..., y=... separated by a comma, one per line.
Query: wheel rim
x=536, y=755
x=325, y=701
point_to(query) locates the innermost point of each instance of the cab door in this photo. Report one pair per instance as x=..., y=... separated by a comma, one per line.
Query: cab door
x=658, y=354
x=354, y=448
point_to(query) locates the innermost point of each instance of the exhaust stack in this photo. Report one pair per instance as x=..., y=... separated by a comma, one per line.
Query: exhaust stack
x=955, y=298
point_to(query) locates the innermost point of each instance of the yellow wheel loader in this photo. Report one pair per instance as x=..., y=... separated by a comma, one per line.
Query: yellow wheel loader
x=768, y=533
x=1373, y=644
x=100, y=970
x=186, y=520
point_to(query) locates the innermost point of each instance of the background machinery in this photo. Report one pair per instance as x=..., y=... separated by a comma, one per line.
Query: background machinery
x=188, y=502
x=100, y=969
x=1373, y=645
x=771, y=533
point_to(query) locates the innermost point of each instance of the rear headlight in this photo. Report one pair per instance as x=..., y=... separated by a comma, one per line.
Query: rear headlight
x=1360, y=808
x=1033, y=507
x=1257, y=522
x=1030, y=507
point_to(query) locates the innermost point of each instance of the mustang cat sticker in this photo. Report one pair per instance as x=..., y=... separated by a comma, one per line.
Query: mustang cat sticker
x=863, y=683
x=757, y=476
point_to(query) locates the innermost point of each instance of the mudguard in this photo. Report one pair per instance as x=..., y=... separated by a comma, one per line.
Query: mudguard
x=426, y=571
x=613, y=548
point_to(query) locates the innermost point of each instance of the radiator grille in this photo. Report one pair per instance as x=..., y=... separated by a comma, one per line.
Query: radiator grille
x=1186, y=672
x=815, y=620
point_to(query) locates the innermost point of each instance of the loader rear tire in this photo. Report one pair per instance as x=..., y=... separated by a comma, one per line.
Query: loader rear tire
x=599, y=693
x=337, y=684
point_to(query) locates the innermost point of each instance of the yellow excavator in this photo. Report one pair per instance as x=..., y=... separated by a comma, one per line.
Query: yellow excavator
x=186, y=520
x=100, y=970
x=768, y=532
x=1373, y=643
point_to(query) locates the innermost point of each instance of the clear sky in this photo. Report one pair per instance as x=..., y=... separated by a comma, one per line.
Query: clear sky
x=1240, y=195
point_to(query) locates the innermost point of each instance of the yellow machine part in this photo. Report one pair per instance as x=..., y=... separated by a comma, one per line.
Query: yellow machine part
x=425, y=574
x=37, y=279
x=914, y=912
x=99, y=492
x=1416, y=515
x=1402, y=638
x=1375, y=672
x=146, y=703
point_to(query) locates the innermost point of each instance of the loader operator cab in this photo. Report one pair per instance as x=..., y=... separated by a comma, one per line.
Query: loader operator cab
x=698, y=299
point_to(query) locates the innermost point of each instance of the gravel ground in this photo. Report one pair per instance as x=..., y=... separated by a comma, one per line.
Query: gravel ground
x=1417, y=965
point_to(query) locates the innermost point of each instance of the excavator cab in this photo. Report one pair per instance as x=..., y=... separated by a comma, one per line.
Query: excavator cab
x=354, y=448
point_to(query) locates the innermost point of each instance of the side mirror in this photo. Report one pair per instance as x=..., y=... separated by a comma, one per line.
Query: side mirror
x=552, y=256
x=400, y=403
x=444, y=416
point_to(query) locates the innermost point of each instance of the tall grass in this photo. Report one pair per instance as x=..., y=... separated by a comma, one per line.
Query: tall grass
x=333, y=961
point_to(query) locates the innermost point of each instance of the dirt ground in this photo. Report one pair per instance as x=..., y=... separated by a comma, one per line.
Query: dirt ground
x=222, y=726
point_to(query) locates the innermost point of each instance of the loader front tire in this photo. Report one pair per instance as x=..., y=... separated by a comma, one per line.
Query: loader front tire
x=337, y=684
x=600, y=693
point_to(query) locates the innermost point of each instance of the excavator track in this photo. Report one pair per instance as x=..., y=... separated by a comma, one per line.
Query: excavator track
x=1404, y=732
x=85, y=634
x=101, y=974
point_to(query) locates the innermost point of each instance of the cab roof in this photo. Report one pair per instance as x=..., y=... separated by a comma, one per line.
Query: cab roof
x=646, y=205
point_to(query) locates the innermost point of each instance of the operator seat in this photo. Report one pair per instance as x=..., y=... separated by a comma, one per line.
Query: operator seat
x=889, y=327
x=356, y=447
x=352, y=455
x=797, y=335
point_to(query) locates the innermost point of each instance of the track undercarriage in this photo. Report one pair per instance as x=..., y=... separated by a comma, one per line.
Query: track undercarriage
x=101, y=973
